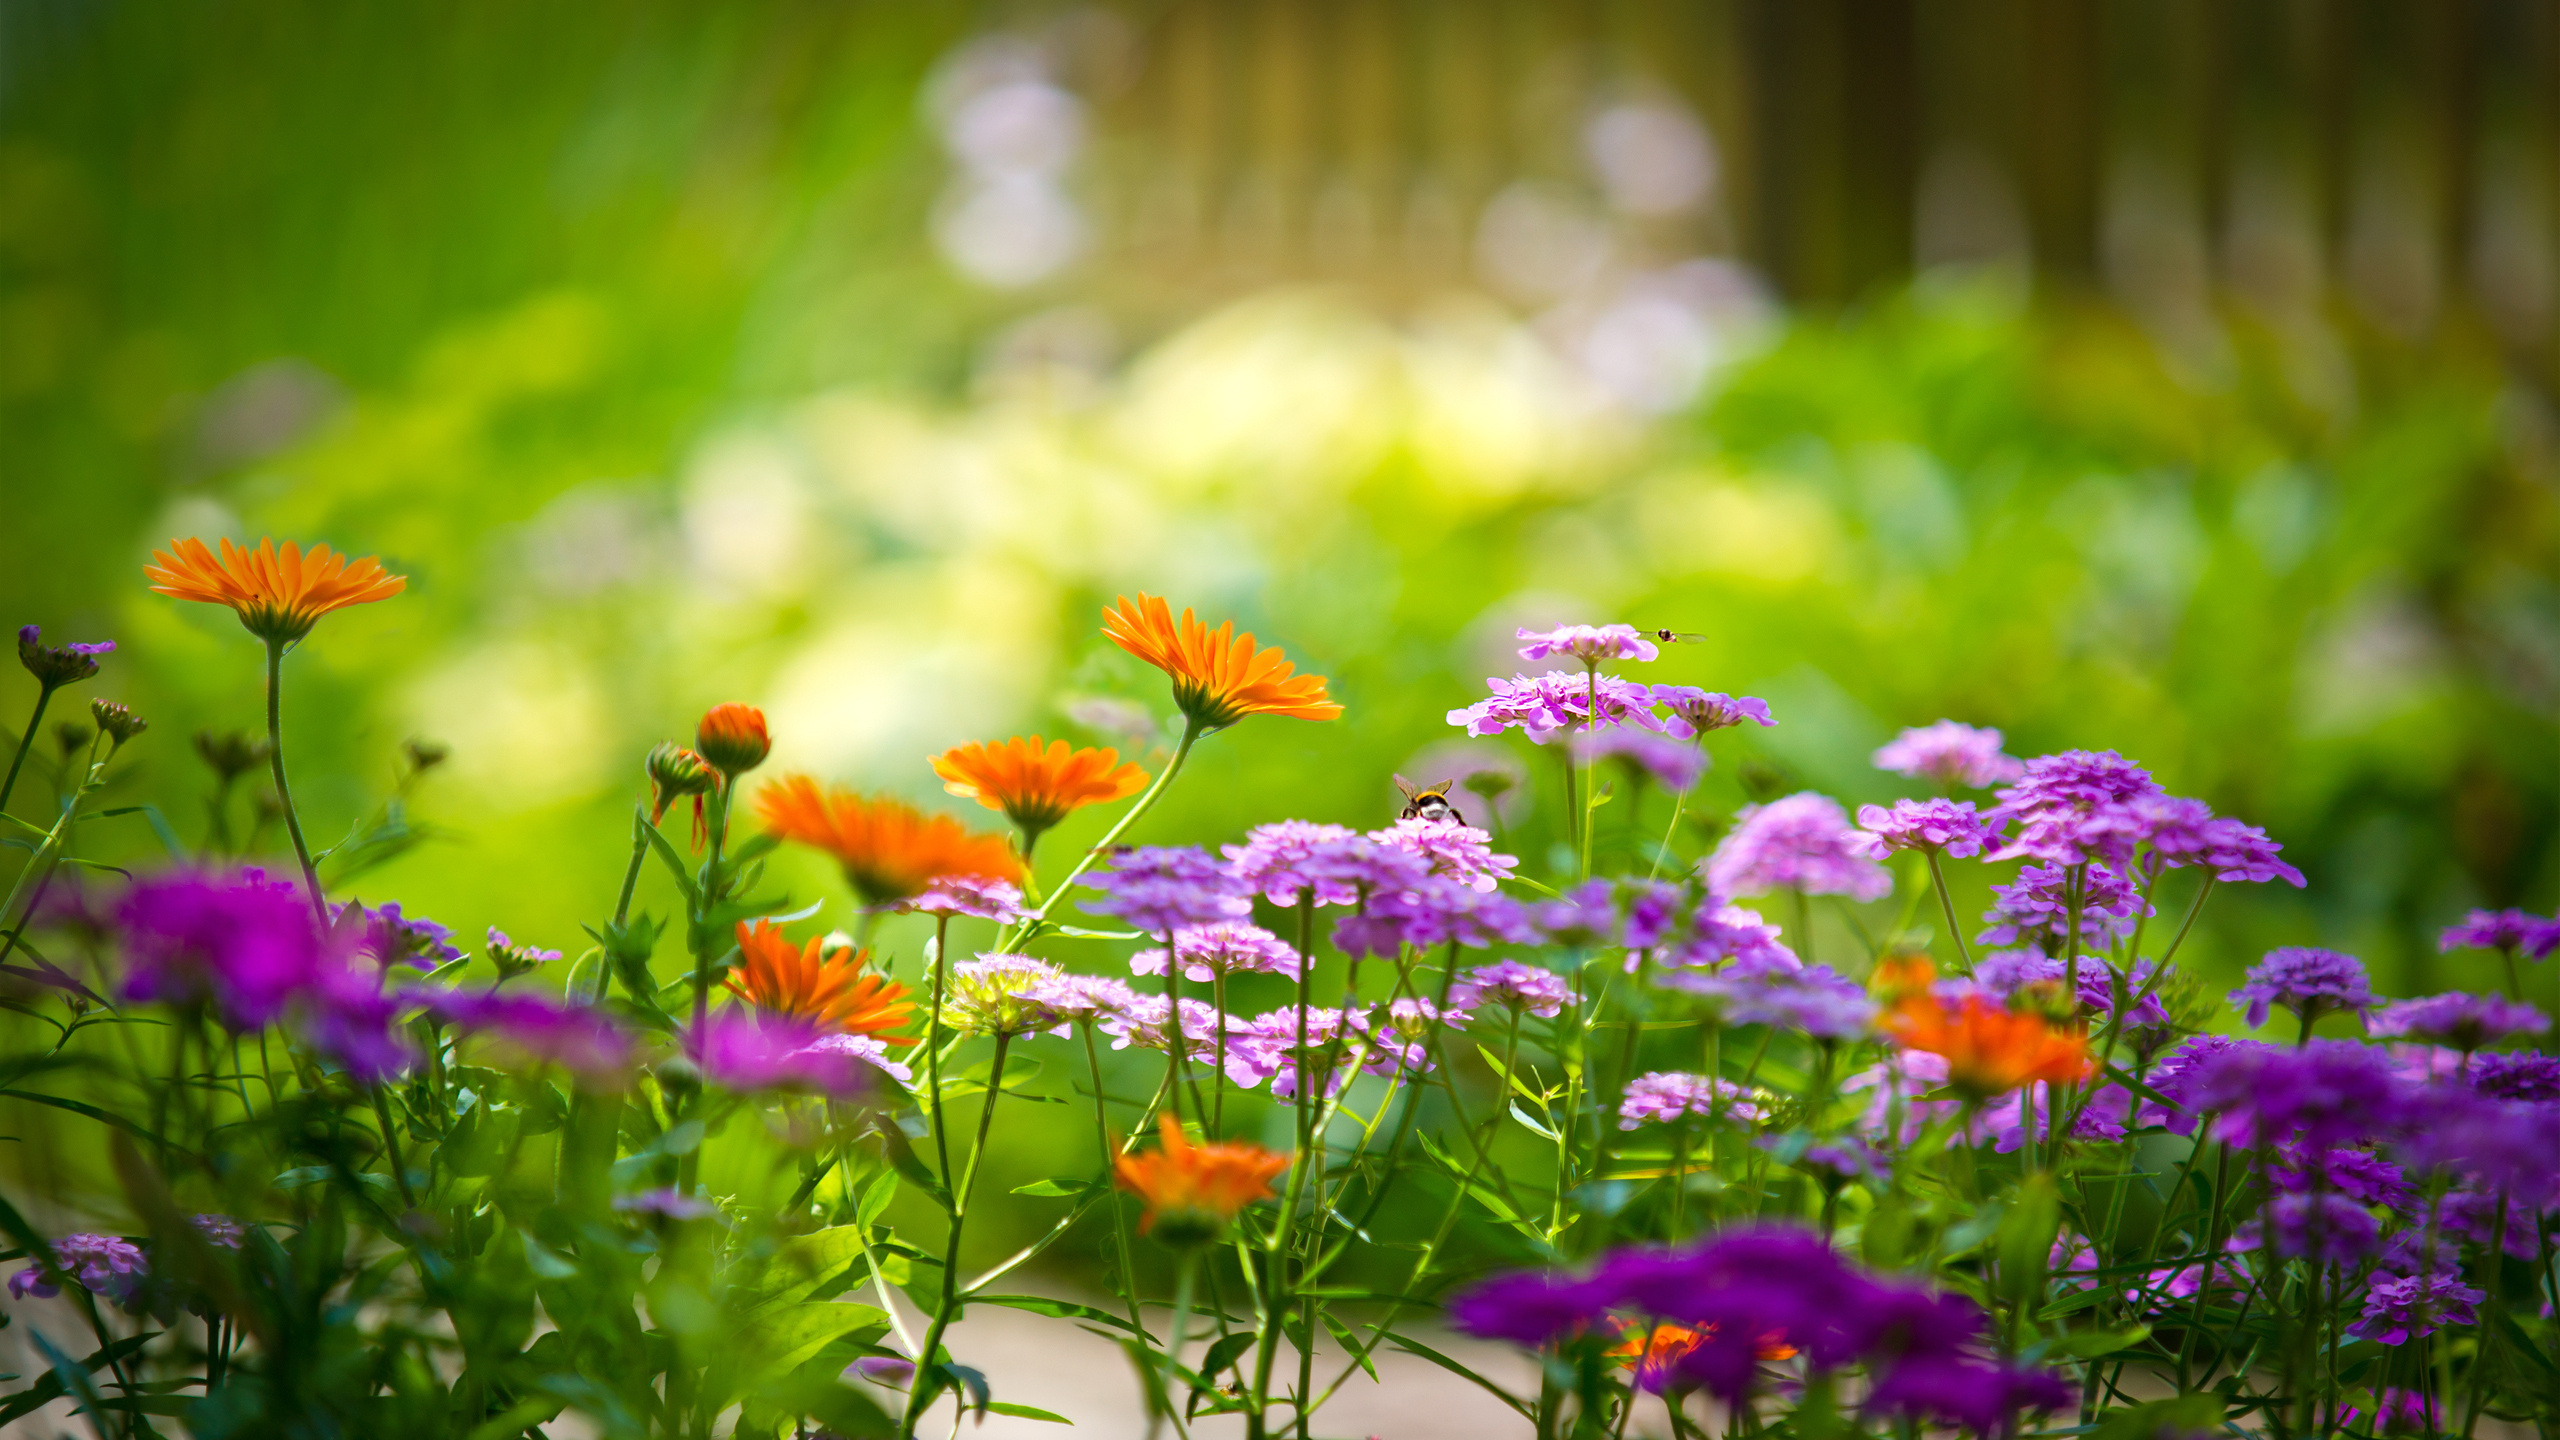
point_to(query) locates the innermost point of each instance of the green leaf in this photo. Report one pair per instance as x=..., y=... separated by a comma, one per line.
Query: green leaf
x=1055, y=1189
x=2090, y=1344
x=1349, y=1341
x=1057, y=1310
x=876, y=1198
x=1224, y=1353
x=1416, y=1347
x=1026, y=1412
x=101, y=1116
x=1534, y=1126
x=2185, y=1415
x=2026, y=1238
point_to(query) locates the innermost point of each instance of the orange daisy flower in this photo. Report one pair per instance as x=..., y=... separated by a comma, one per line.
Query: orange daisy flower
x=732, y=737
x=1990, y=1050
x=1219, y=677
x=1665, y=1345
x=278, y=595
x=889, y=849
x=1193, y=1192
x=1036, y=788
x=831, y=989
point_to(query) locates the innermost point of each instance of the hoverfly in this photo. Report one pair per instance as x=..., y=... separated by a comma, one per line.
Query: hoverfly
x=1428, y=803
x=1677, y=637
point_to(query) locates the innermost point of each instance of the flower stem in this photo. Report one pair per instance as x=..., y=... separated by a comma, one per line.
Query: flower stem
x=1946, y=902
x=44, y=697
x=922, y=1394
x=1191, y=733
x=1110, y=1168
x=631, y=876
x=1175, y=1339
x=275, y=765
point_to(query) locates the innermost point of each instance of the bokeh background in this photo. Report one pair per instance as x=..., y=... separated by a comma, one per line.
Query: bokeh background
x=2169, y=377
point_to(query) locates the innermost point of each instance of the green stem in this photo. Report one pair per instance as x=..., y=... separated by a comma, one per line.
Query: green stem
x=921, y=1393
x=44, y=697
x=933, y=1055
x=1804, y=926
x=1590, y=810
x=1175, y=1339
x=631, y=876
x=1110, y=1172
x=1946, y=902
x=275, y=766
x=1191, y=733
x=391, y=1148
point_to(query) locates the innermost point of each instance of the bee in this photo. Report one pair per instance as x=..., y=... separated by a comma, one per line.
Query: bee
x=1677, y=637
x=1428, y=803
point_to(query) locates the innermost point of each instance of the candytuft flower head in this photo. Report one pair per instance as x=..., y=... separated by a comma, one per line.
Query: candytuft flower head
x=1193, y=1192
x=1036, y=787
x=1989, y=1050
x=1219, y=677
x=732, y=738
x=55, y=666
x=998, y=994
x=829, y=988
x=278, y=594
x=889, y=849
x=2531, y=935
x=2459, y=1019
x=1950, y=754
x=1695, y=711
x=2308, y=982
x=1589, y=644
x=1164, y=888
x=1802, y=842
x=117, y=720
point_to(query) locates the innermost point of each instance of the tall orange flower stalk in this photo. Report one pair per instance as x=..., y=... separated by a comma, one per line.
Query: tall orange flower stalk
x=889, y=849
x=829, y=988
x=1219, y=677
x=1035, y=787
x=279, y=594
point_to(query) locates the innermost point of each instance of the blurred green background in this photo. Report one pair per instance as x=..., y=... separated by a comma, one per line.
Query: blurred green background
x=2176, y=379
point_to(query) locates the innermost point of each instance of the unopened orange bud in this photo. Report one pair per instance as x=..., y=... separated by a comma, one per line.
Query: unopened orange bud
x=732, y=737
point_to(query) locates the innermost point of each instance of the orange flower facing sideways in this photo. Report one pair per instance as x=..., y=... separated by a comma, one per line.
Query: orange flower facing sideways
x=889, y=849
x=1990, y=1049
x=1193, y=1192
x=1219, y=676
x=1664, y=1345
x=278, y=594
x=1034, y=787
x=831, y=989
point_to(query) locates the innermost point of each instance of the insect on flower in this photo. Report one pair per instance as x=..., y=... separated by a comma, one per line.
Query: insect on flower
x=1219, y=677
x=1431, y=802
x=1193, y=1192
x=278, y=594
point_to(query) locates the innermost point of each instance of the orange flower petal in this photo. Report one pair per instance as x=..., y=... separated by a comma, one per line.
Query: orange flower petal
x=278, y=594
x=1219, y=676
x=832, y=990
x=1036, y=787
x=889, y=849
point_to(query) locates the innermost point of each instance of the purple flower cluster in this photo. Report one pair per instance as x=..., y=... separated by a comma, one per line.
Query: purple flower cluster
x=1755, y=1290
x=1667, y=1095
x=103, y=1265
x=2459, y=1019
x=1950, y=827
x=1691, y=712
x=1589, y=644
x=1949, y=753
x=2411, y=1307
x=2322, y=1095
x=1450, y=849
x=1545, y=706
x=577, y=1038
x=1288, y=859
x=2005, y=973
x=1802, y=842
x=751, y=1051
x=1514, y=986
x=1164, y=888
x=2524, y=1075
x=386, y=937
x=2175, y=832
x=2532, y=936
x=2308, y=982
x=1230, y=947
x=1431, y=913
x=1817, y=1000
x=57, y=665
x=1718, y=934
x=2036, y=909
x=980, y=897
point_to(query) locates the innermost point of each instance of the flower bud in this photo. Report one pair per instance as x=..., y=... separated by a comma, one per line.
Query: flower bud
x=675, y=772
x=231, y=753
x=58, y=665
x=732, y=737
x=118, y=720
x=71, y=735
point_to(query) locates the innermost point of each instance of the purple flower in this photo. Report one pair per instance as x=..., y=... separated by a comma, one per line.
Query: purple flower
x=1452, y=850
x=2361, y=1176
x=2320, y=1096
x=246, y=944
x=2037, y=908
x=890, y=1370
x=2004, y=973
x=1589, y=644
x=1802, y=842
x=666, y=1203
x=2176, y=832
x=576, y=1038
x=1074, y=998
x=2308, y=982
x=2531, y=935
x=1653, y=909
x=1696, y=712
x=1144, y=1022
x=349, y=1018
x=1528, y=1308
x=1721, y=934
x=1434, y=912
x=2073, y=808
x=2410, y=1307
x=1670, y=1094
x=1163, y=888
x=1949, y=753
x=1950, y=826
x=1984, y=1396
x=2327, y=1228
x=1817, y=1001
x=220, y=1230
x=58, y=665
x=389, y=938
x=1266, y=1047
x=1582, y=917
x=1556, y=702
x=871, y=1050
x=1401, y=1038
x=1674, y=765
x=1230, y=947
x=101, y=1264
x=513, y=959
x=2399, y=1412
x=1514, y=986
x=2459, y=1019
x=2180, y=1078
x=2511, y=1145
x=2524, y=1075
x=979, y=897
x=1284, y=860
x=749, y=1051
x=2473, y=1215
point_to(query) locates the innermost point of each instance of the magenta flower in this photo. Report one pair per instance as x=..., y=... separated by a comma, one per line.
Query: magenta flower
x=1556, y=702
x=576, y=1038
x=2073, y=808
x=665, y=1203
x=1667, y=1095
x=1695, y=712
x=981, y=897
x=58, y=665
x=512, y=959
x=246, y=944
x=2037, y=908
x=871, y=1050
x=1721, y=934
x=750, y=1051
x=2524, y=1075
x=1164, y=888
x=1949, y=826
x=387, y=937
x=2411, y=1307
x=1949, y=753
x=1514, y=986
x=2399, y=1412
x=2175, y=832
x=101, y=1264
x=220, y=1230
x=1589, y=644
x=1818, y=1000
x=2320, y=1096
x=2529, y=935
x=1230, y=947
x=1802, y=842
x=1451, y=850
x=1431, y=913
x=2308, y=982
x=1078, y=998
x=1290, y=858
x=1672, y=764
x=2459, y=1019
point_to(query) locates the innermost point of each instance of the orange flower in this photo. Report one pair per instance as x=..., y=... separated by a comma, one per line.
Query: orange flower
x=1036, y=788
x=1899, y=976
x=889, y=849
x=1665, y=1345
x=279, y=596
x=832, y=989
x=732, y=737
x=1989, y=1050
x=1193, y=1192
x=1218, y=676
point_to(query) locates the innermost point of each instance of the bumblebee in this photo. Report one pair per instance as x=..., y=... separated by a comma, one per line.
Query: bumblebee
x=1429, y=803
